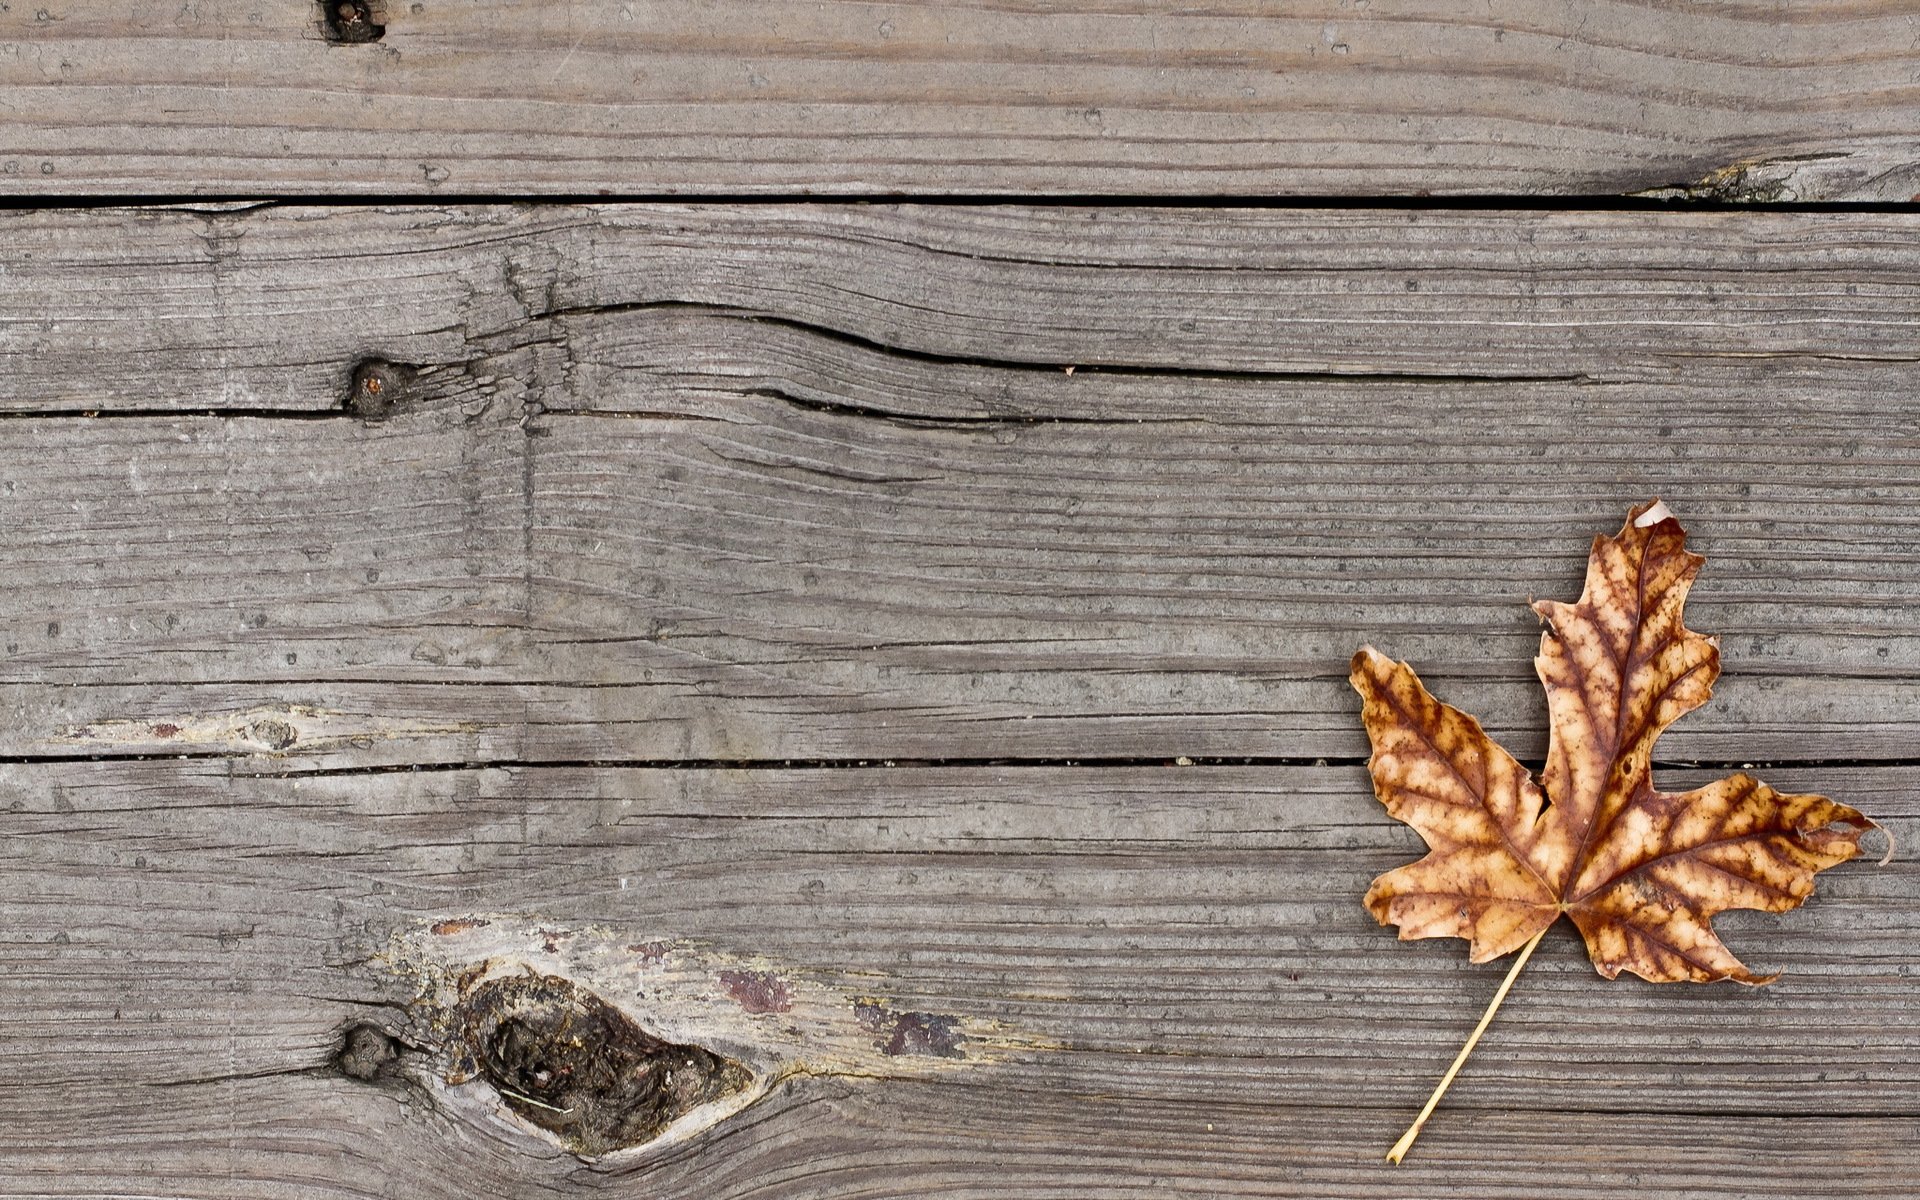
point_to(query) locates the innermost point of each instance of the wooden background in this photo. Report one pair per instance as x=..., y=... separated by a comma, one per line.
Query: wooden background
x=943, y=603
x=1752, y=99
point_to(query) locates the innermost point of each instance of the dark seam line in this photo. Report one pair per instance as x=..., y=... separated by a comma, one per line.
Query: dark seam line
x=150, y=414
x=875, y=762
x=1468, y=203
x=871, y=762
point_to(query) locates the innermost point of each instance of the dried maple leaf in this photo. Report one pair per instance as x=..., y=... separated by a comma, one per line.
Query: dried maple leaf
x=1640, y=872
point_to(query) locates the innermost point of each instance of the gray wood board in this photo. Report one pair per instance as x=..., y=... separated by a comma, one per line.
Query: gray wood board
x=267, y=307
x=1199, y=999
x=1788, y=100
x=753, y=484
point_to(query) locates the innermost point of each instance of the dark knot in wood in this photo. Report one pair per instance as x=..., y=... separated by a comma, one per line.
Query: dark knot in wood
x=351, y=22
x=368, y=1053
x=574, y=1065
x=379, y=387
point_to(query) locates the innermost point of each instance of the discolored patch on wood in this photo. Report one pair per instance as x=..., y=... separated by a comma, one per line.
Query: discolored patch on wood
x=276, y=728
x=758, y=991
x=273, y=733
x=618, y=1043
x=909, y=1034
x=651, y=953
x=571, y=1063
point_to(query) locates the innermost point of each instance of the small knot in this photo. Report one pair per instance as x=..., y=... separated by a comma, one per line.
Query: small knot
x=379, y=387
x=350, y=22
x=273, y=733
x=367, y=1053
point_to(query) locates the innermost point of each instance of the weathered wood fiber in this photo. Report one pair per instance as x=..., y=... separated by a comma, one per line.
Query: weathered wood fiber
x=299, y=1137
x=797, y=584
x=1185, y=989
x=1756, y=100
x=800, y=483
x=756, y=484
x=627, y=306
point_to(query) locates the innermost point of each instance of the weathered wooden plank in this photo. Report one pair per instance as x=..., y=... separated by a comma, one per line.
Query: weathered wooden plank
x=794, y=483
x=789, y=583
x=274, y=566
x=299, y=1137
x=1168, y=970
x=161, y=310
x=1747, y=101
x=1060, y=585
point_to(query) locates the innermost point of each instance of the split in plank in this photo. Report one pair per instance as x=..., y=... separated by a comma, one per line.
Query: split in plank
x=715, y=484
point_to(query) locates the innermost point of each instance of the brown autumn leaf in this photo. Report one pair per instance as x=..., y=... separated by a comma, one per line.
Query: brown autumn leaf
x=1641, y=872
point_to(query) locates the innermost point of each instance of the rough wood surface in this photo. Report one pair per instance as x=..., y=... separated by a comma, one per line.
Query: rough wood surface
x=800, y=483
x=667, y=496
x=1185, y=989
x=906, y=309
x=1750, y=100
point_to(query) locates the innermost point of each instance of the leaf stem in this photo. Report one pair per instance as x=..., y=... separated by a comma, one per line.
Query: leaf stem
x=1401, y=1147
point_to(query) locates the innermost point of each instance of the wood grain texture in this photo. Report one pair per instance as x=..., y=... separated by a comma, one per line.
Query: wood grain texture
x=678, y=486
x=1751, y=100
x=266, y=308
x=687, y=483
x=1205, y=1002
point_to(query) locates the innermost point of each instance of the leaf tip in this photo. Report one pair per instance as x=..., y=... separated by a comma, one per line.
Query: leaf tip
x=1366, y=661
x=1652, y=514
